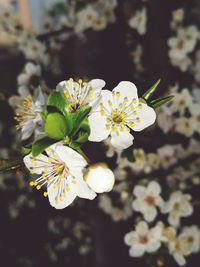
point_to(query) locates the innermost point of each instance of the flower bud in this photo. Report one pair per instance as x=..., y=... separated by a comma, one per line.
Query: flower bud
x=99, y=178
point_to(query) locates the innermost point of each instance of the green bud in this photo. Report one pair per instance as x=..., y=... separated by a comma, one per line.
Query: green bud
x=55, y=126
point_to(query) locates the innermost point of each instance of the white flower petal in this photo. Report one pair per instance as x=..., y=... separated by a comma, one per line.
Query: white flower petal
x=37, y=164
x=106, y=97
x=137, y=250
x=97, y=84
x=127, y=89
x=154, y=188
x=27, y=130
x=70, y=157
x=153, y=246
x=130, y=238
x=121, y=141
x=67, y=199
x=98, y=127
x=83, y=191
x=146, y=115
x=139, y=190
x=150, y=214
x=142, y=228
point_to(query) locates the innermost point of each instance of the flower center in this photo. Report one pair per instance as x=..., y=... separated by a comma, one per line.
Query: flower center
x=117, y=117
x=150, y=200
x=143, y=239
x=25, y=113
x=77, y=94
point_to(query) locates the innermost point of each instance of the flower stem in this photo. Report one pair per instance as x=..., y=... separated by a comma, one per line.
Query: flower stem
x=6, y=165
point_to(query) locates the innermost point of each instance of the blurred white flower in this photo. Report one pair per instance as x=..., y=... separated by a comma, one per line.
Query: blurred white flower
x=165, y=119
x=29, y=73
x=186, y=243
x=185, y=126
x=143, y=239
x=167, y=155
x=118, y=112
x=34, y=50
x=147, y=200
x=99, y=178
x=62, y=172
x=85, y=18
x=195, y=112
x=181, y=101
x=177, y=17
x=178, y=206
x=79, y=94
x=138, y=21
x=181, y=45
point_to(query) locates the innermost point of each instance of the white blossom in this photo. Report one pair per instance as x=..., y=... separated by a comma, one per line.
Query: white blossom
x=147, y=200
x=61, y=171
x=28, y=114
x=138, y=21
x=143, y=239
x=178, y=206
x=119, y=112
x=79, y=94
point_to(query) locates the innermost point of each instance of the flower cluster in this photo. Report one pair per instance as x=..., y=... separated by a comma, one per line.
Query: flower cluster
x=182, y=114
x=149, y=239
x=58, y=124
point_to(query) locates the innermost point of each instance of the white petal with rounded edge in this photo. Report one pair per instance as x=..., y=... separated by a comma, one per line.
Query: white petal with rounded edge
x=142, y=228
x=127, y=89
x=150, y=214
x=98, y=127
x=27, y=130
x=154, y=187
x=139, y=190
x=130, y=238
x=83, y=191
x=153, y=246
x=137, y=250
x=38, y=164
x=106, y=97
x=67, y=199
x=70, y=157
x=97, y=84
x=146, y=115
x=121, y=141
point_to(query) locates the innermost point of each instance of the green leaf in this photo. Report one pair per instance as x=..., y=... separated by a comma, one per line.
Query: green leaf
x=149, y=93
x=79, y=117
x=69, y=121
x=57, y=100
x=160, y=101
x=44, y=114
x=40, y=145
x=56, y=126
x=85, y=126
x=82, y=137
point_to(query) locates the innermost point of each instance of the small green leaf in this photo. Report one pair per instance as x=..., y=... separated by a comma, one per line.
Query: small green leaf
x=69, y=121
x=44, y=114
x=40, y=145
x=82, y=137
x=79, y=117
x=160, y=101
x=85, y=126
x=57, y=100
x=149, y=93
x=56, y=126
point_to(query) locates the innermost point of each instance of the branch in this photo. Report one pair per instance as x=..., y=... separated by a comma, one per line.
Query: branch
x=6, y=165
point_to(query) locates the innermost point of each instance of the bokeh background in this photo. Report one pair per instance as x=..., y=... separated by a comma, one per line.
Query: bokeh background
x=46, y=41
